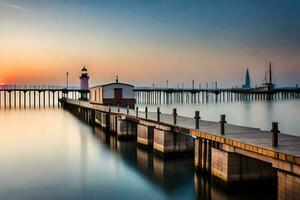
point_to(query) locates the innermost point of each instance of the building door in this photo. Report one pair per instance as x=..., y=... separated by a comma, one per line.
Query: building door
x=118, y=96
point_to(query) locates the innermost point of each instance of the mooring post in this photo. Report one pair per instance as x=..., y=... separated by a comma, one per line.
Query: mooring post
x=146, y=112
x=127, y=110
x=93, y=116
x=197, y=119
x=175, y=115
x=222, y=122
x=158, y=114
x=275, y=132
x=137, y=111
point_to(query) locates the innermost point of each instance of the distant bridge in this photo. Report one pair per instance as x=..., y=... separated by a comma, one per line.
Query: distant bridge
x=168, y=95
x=36, y=95
x=47, y=95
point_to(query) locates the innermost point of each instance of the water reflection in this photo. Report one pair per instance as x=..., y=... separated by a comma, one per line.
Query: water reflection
x=50, y=154
x=177, y=177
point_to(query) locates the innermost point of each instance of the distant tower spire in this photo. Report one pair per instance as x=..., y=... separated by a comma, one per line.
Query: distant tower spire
x=247, y=80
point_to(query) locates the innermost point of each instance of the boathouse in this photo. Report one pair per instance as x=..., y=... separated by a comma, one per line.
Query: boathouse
x=114, y=94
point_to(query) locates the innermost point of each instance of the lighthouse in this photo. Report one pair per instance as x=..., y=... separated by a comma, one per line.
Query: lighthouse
x=84, y=83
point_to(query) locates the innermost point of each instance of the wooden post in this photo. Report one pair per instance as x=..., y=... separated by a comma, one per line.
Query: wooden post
x=222, y=122
x=158, y=114
x=25, y=99
x=146, y=112
x=44, y=98
x=53, y=98
x=9, y=96
x=175, y=115
x=49, y=98
x=197, y=119
x=118, y=108
x=34, y=99
x=127, y=110
x=275, y=132
x=4, y=98
x=20, y=98
x=29, y=99
x=137, y=111
x=15, y=100
x=93, y=116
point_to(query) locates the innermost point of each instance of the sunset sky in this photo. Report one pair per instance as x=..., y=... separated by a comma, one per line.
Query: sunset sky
x=147, y=42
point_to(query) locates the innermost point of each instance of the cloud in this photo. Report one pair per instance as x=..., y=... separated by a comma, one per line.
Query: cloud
x=15, y=6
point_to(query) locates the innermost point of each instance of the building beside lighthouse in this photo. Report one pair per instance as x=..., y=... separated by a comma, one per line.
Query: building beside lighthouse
x=84, y=84
x=114, y=94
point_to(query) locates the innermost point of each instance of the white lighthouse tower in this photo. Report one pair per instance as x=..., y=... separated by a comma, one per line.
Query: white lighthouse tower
x=84, y=83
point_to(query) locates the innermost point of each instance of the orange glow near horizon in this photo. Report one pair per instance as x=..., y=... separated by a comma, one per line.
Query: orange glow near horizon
x=40, y=44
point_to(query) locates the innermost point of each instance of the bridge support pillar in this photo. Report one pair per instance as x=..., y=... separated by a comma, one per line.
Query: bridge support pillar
x=202, y=154
x=4, y=99
x=9, y=99
x=112, y=123
x=104, y=120
x=232, y=167
x=126, y=130
x=288, y=186
x=168, y=142
x=145, y=135
x=228, y=166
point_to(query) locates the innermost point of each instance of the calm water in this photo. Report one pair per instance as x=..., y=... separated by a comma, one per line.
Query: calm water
x=50, y=154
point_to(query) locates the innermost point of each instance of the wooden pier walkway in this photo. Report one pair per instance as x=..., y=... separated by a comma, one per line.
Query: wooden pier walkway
x=36, y=95
x=251, y=138
x=240, y=154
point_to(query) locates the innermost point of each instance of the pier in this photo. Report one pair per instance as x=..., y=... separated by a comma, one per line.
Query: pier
x=227, y=152
x=48, y=95
x=154, y=95
x=18, y=96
